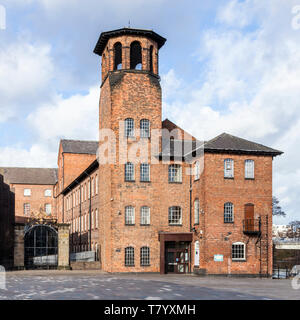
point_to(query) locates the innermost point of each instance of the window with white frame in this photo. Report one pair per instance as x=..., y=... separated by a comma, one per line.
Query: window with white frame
x=26, y=209
x=93, y=219
x=145, y=256
x=228, y=212
x=96, y=219
x=196, y=211
x=48, y=209
x=145, y=128
x=249, y=169
x=93, y=187
x=96, y=184
x=129, y=171
x=48, y=193
x=238, y=251
x=145, y=172
x=27, y=192
x=228, y=168
x=129, y=128
x=129, y=256
x=145, y=215
x=197, y=170
x=175, y=173
x=175, y=216
x=129, y=215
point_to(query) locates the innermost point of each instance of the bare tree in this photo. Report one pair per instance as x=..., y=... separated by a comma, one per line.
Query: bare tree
x=276, y=208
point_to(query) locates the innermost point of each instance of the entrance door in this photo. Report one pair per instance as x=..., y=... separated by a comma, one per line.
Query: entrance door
x=177, y=257
x=249, y=217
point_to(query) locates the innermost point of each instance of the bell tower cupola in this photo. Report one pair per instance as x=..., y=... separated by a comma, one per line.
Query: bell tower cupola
x=129, y=49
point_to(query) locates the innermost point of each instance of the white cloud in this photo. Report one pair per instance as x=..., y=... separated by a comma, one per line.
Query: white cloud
x=37, y=156
x=26, y=71
x=251, y=87
x=75, y=117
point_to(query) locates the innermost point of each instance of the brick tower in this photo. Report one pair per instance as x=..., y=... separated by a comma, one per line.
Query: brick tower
x=130, y=95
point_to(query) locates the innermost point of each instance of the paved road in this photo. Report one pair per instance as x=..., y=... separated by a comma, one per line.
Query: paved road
x=54, y=285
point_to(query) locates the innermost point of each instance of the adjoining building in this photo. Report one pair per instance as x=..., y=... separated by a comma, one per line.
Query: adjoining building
x=187, y=206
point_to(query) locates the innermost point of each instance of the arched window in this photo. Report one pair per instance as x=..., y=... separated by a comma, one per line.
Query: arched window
x=117, y=56
x=238, y=251
x=129, y=257
x=135, y=56
x=129, y=216
x=129, y=127
x=196, y=211
x=228, y=212
x=197, y=170
x=175, y=216
x=228, y=168
x=145, y=256
x=145, y=216
x=145, y=128
x=129, y=171
x=151, y=59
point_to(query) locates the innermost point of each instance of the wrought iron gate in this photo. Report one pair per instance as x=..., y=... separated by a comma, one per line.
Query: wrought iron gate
x=41, y=245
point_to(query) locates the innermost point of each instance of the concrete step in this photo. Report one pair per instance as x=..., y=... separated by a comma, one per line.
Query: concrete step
x=83, y=265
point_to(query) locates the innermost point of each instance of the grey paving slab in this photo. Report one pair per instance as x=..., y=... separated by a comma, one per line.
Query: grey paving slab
x=70, y=285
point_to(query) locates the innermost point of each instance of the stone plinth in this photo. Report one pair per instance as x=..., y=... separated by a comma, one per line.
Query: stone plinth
x=63, y=246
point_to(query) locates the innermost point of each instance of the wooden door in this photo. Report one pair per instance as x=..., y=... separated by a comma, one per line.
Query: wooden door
x=249, y=217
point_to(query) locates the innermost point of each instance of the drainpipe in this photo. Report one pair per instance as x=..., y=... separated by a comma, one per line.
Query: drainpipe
x=191, y=190
x=191, y=194
x=80, y=214
x=90, y=209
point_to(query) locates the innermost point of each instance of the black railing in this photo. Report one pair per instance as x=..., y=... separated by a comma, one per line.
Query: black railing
x=252, y=226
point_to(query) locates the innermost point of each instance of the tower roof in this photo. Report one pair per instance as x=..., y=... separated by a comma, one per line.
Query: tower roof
x=105, y=36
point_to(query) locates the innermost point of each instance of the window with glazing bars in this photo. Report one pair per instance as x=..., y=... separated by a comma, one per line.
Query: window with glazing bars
x=129, y=127
x=129, y=257
x=129, y=215
x=249, y=169
x=145, y=256
x=145, y=172
x=145, y=215
x=196, y=211
x=228, y=168
x=175, y=217
x=145, y=128
x=175, y=174
x=26, y=209
x=238, y=251
x=228, y=212
x=129, y=171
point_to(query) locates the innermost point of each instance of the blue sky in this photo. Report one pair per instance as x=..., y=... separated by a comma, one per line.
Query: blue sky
x=228, y=65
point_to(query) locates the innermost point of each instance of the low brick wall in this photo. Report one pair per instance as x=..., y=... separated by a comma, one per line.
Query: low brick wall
x=83, y=265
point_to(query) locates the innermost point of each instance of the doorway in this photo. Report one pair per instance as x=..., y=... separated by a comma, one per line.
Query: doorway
x=249, y=217
x=177, y=257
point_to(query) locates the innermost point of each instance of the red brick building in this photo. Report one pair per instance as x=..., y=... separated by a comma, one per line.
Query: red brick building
x=148, y=196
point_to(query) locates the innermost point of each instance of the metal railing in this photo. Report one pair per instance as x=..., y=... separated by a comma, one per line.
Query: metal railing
x=252, y=226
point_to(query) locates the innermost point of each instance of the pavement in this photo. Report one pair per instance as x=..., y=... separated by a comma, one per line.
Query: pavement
x=98, y=285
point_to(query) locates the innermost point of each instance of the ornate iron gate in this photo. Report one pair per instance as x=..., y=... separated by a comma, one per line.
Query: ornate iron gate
x=41, y=246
